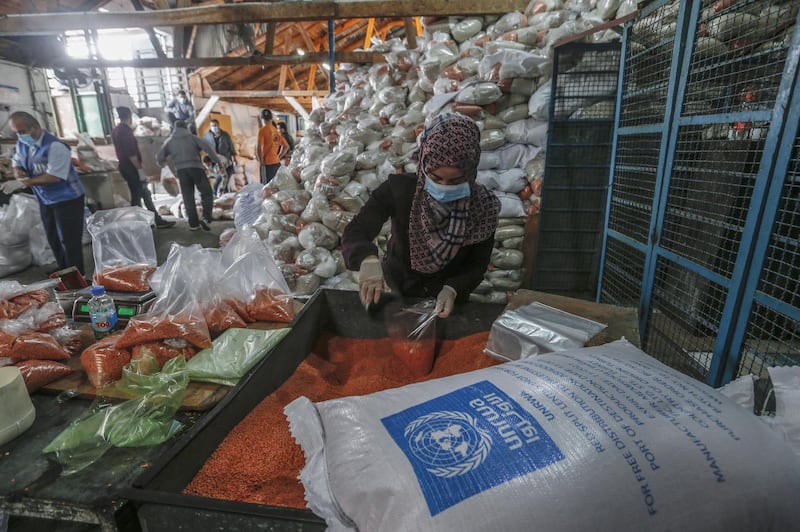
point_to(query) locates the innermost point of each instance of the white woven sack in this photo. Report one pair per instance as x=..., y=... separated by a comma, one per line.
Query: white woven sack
x=601, y=438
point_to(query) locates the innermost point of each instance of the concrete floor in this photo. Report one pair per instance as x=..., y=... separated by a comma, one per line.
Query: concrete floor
x=164, y=238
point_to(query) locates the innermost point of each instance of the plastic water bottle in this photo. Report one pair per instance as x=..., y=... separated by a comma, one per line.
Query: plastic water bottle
x=102, y=311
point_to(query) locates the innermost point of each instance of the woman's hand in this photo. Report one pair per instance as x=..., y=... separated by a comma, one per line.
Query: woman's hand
x=445, y=301
x=370, y=280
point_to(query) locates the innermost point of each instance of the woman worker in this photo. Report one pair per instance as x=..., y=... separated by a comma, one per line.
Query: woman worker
x=443, y=222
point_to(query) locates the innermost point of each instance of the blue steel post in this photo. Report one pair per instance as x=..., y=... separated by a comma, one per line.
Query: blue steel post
x=760, y=220
x=681, y=53
x=613, y=160
x=331, y=56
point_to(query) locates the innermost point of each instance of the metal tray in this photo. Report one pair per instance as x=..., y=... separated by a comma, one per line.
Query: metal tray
x=157, y=493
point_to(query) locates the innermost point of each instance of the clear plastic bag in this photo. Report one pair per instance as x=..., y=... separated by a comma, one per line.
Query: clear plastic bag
x=147, y=419
x=252, y=283
x=317, y=235
x=123, y=247
x=413, y=335
x=535, y=329
x=175, y=312
x=233, y=354
x=247, y=207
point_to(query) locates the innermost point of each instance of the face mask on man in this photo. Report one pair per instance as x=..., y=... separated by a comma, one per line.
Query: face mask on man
x=181, y=100
x=215, y=129
x=25, y=138
x=447, y=193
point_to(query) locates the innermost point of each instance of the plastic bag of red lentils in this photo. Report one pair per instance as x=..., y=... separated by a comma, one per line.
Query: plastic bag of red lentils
x=252, y=283
x=175, y=312
x=123, y=247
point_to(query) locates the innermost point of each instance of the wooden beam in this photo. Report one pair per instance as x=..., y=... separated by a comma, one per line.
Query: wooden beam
x=190, y=47
x=282, y=80
x=179, y=34
x=297, y=107
x=368, y=34
x=137, y=5
x=253, y=12
x=306, y=37
x=198, y=62
x=312, y=76
x=411, y=33
x=292, y=78
x=269, y=94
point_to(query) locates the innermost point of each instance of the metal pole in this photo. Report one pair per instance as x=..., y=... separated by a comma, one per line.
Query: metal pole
x=331, y=53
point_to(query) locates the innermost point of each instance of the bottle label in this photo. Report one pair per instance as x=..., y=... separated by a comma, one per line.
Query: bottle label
x=104, y=321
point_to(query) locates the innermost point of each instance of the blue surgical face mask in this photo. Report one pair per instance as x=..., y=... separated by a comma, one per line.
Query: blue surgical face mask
x=214, y=129
x=181, y=100
x=25, y=138
x=447, y=193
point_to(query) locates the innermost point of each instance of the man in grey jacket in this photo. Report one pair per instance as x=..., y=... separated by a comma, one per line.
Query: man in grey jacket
x=185, y=151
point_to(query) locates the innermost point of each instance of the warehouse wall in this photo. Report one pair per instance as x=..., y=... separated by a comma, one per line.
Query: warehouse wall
x=24, y=89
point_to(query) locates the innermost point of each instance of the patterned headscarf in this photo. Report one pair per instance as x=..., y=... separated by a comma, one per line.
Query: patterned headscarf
x=437, y=231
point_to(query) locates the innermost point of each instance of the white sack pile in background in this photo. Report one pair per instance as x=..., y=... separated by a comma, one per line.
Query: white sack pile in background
x=494, y=69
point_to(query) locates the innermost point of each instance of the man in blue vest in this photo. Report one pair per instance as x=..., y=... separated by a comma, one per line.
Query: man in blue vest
x=43, y=163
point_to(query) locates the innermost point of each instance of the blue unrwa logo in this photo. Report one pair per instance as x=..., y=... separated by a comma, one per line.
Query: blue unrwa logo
x=468, y=441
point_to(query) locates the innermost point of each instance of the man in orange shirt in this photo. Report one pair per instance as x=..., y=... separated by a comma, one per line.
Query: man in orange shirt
x=271, y=147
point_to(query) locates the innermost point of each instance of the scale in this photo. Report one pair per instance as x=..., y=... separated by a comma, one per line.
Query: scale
x=129, y=304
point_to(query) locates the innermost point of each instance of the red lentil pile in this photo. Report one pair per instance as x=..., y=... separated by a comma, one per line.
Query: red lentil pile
x=259, y=461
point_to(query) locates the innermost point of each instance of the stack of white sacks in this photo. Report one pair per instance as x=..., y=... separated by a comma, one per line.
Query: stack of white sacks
x=494, y=69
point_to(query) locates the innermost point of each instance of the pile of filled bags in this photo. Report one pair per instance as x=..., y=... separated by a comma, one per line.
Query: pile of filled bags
x=496, y=70
x=23, y=241
x=34, y=335
x=201, y=293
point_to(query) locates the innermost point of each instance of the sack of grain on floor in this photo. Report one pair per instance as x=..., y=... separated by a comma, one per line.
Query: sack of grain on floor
x=601, y=438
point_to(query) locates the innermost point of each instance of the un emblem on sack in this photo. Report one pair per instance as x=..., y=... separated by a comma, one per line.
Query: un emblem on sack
x=448, y=443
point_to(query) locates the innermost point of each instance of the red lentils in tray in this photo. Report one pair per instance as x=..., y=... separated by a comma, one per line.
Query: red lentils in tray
x=259, y=461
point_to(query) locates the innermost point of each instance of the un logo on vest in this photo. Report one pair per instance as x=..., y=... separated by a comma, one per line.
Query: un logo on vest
x=448, y=443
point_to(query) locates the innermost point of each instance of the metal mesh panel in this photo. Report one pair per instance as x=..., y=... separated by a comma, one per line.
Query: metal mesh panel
x=709, y=193
x=738, y=56
x=586, y=84
x=647, y=66
x=684, y=319
x=622, y=274
x=576, y=169
x=773, y=338
x=781, y=276
x=634, y=185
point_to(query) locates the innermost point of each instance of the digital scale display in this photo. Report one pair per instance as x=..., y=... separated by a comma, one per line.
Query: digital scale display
x=121, y=311
x=128, y=305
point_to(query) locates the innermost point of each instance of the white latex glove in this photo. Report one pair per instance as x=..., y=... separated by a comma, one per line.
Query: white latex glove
x=10, y=186
x=142, y=176
x=370, y=280
x=445, y=301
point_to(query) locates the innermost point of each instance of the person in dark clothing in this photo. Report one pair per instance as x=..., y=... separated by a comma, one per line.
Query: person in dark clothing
x=443, y=222
x=184, y=149
x=130, y=165
x=43, y=163
x=223, y=144
x=289, y=141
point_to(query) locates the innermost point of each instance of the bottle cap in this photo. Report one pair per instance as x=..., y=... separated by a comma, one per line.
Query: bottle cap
x=98, y=290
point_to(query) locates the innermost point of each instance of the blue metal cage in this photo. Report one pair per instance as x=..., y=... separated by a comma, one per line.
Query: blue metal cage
x=703, y=217
x=581, y=126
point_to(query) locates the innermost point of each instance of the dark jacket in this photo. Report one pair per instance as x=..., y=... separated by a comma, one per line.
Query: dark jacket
x=184, y=150
x=223, y=144
x=393, y=199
